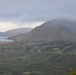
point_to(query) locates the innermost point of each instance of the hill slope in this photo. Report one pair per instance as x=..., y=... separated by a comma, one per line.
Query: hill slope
x=71, y=25
x=52, y=30
x=15, y=32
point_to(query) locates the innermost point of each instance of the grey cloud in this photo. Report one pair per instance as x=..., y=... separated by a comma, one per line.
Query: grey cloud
x=36, y=10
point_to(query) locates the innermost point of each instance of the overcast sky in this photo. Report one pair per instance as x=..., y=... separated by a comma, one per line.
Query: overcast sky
x=31, y=13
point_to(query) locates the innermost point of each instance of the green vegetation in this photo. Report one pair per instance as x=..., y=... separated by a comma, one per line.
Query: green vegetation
x=37, y=58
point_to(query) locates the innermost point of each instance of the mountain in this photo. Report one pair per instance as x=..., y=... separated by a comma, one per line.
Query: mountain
x=70, y=24
x=15, y=32
x=54, y=30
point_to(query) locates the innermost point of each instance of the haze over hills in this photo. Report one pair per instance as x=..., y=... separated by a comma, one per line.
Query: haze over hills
x=1, y=33
x=54, y=30
x=15, y=32
x=70, y=24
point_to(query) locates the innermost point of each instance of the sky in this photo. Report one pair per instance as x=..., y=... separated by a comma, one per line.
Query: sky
x=32, y=13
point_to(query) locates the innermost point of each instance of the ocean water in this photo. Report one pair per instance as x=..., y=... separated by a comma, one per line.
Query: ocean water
x=2, y=38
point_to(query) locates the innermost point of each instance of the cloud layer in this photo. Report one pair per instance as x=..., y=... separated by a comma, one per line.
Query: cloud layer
x=22, y=11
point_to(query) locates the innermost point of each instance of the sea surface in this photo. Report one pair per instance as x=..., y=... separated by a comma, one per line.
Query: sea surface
x=3, y=39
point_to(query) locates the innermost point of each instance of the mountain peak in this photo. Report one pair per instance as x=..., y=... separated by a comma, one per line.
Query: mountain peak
x=58, y=22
